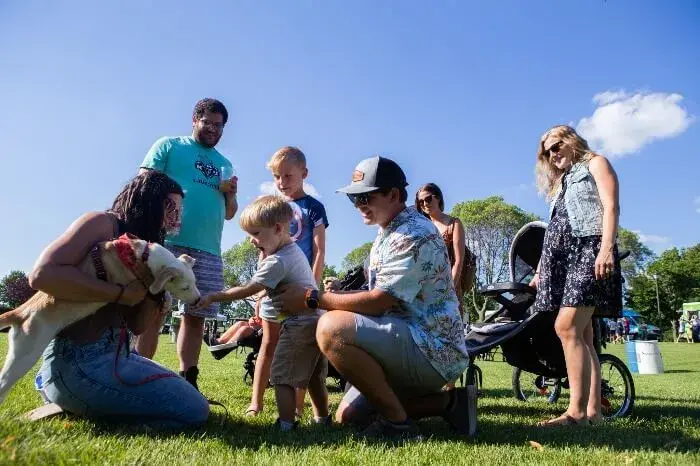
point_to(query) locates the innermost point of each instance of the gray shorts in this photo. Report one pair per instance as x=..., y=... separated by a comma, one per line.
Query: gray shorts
x=209, y=272
x=409, y=372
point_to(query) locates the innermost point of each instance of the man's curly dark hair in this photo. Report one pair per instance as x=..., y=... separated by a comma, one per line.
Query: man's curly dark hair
x=211, y=106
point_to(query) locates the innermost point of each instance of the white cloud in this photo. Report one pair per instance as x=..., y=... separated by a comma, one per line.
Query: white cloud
x=624, y=123
x=609, y=96
x=268, y=187
x=697, y=204
x=652, y=239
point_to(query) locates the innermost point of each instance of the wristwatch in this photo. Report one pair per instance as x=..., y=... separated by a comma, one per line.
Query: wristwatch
x=311, y=298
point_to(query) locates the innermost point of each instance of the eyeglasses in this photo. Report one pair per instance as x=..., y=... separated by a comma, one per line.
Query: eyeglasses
x=212, y=124
x=173, y=213
x=362, y=198
x=555, y=148
x=426, y=200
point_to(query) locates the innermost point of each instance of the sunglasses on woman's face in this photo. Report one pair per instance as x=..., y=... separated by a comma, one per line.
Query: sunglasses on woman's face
x=426, y=200
x=361, y=199
x=555, y=148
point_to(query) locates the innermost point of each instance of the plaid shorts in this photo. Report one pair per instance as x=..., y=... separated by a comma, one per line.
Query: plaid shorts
x=209, y=272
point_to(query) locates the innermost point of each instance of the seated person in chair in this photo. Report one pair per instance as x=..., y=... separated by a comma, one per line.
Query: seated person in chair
x=232, y=337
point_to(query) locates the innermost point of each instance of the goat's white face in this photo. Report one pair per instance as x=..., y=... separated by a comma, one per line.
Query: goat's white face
x=178, y=279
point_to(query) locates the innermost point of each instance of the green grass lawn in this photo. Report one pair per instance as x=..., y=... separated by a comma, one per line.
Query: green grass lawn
x=664, y=429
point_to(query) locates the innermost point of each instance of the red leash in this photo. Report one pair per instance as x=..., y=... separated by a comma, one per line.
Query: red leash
x=123, y=338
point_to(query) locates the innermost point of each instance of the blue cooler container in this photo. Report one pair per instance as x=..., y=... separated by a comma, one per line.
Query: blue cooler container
x=631, y=350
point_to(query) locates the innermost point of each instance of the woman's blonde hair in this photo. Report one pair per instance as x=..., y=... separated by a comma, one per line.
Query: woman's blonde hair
x=266, y=212
x=548, y=177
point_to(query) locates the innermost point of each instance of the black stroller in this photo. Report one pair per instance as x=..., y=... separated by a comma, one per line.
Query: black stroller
x=353, y=280
x=528, y=341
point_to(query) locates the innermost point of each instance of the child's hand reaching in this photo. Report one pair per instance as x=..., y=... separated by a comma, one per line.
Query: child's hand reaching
x=203, y=302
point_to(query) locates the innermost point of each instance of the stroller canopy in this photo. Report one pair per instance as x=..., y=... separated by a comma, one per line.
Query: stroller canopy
x=525, y=251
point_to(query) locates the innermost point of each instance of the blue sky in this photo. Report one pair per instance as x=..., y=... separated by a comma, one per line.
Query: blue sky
x=457, y=92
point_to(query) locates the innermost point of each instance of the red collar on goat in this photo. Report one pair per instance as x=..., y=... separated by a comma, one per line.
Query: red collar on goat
x=125, y=251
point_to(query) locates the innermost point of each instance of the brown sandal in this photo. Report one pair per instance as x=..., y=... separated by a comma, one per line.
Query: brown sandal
x=564, y=420
x=252, y=412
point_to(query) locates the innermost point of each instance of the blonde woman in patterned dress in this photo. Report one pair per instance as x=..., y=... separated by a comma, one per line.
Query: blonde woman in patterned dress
x=579, y=273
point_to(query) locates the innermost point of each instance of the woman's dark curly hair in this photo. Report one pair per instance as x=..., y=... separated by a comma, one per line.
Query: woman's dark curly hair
x=433, y=189
x=140, y=207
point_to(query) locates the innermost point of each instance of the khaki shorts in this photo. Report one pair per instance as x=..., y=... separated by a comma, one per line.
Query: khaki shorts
x=297, y=359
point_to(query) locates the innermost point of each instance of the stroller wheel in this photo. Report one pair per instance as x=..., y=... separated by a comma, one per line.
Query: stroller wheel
x=617, y=387
x=474, y=376
x=530, y=387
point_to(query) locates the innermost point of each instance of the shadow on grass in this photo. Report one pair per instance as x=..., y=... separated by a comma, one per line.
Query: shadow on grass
x=497, y=393
x=655, y=412
x=641, y=432
x=620, y=436
x=238, y=433
x=662, y=399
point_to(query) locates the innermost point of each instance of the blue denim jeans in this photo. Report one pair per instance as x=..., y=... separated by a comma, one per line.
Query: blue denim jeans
x=81, y=379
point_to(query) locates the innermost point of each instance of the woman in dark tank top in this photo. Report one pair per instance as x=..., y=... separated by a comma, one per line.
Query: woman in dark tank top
x=88, y=360
x=430, y=202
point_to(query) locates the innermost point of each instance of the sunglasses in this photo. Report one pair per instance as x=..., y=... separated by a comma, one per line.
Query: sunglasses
x=555, y=148
x=362, y=198
x=426, y=200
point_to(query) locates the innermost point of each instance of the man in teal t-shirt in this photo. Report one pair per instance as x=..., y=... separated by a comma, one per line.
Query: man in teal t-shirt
x=210, y=198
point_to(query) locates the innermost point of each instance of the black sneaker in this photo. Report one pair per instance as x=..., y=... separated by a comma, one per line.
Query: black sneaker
x=278, y=423
x=209, y=340
x=323, y=421
x=191, y=376
x=461, y=412
x=383, y=430
x=219, y=351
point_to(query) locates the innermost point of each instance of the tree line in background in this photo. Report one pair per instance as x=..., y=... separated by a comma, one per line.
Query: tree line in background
x=656, y=286
x=491, y=224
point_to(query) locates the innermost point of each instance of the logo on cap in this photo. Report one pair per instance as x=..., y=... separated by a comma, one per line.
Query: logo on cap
x=357, y=176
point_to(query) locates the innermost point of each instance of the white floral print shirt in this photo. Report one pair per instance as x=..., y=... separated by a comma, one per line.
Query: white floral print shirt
x=409, y=261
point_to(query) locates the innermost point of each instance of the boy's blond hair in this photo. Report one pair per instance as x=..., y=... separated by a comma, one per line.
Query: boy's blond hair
x=266, y=212
x=287, y=153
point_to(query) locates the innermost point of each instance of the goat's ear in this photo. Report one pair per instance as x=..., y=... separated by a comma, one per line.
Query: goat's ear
x=162, y=277
x=188, y=260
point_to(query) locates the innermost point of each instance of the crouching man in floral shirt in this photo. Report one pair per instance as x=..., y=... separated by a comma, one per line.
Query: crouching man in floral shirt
x=400, y=342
